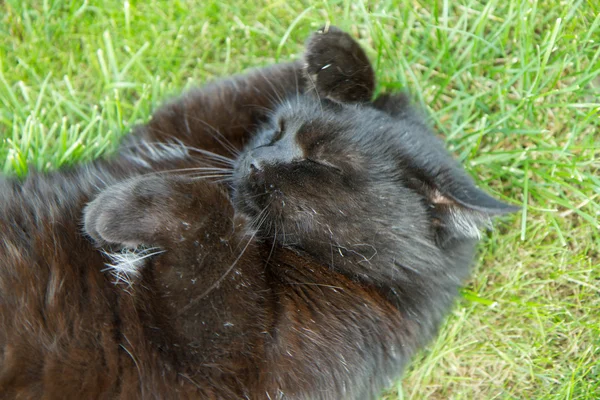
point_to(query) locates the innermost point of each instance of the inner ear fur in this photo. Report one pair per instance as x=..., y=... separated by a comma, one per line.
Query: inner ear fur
x=463, y=217
x=337, y=68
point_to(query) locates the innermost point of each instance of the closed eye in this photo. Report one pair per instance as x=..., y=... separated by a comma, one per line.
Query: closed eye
x=326, y=164
x=278, y=133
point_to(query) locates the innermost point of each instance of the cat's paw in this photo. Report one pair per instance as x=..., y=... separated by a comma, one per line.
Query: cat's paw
x=337, y=66
x=157, y=211
x=128, y=214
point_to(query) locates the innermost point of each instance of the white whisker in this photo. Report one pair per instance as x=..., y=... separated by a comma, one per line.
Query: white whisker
x=218, y=136
x=125, y=265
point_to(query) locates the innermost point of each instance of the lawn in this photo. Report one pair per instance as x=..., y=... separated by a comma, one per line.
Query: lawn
x=513, y=86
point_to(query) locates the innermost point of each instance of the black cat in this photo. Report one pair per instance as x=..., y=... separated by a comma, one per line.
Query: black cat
x=274, y=236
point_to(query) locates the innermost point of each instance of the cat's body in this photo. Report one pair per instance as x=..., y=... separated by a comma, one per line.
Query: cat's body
x=329, y=255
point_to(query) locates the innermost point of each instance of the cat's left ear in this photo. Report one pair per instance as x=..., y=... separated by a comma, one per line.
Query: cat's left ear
x=337, y=68
x=458, y=207
x=462, y=209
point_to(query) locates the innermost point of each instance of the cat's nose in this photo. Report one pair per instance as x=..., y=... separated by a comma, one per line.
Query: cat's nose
x=256, y=173
x=283, y=152
x=259, y=158
x=255, y=166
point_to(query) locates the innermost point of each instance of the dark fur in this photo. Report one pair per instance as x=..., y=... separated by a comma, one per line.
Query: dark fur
x=315, y=271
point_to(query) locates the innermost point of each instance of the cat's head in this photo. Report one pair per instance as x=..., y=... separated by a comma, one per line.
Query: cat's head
x=333, y=172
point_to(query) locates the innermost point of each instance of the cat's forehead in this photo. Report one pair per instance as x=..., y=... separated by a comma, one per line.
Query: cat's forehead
x=311, y=115
x=354, y=128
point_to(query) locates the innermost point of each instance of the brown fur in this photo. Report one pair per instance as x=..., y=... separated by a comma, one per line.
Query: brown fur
x=224, y=312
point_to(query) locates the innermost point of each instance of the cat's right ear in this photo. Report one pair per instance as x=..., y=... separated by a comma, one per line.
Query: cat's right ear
x=337, y=68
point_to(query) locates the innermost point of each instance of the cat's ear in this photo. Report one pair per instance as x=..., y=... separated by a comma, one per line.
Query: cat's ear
x=457, y=206
x=395, y=105
x=337, y=68
x=460, y=209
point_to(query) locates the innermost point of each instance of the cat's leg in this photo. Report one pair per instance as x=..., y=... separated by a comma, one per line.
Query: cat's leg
x=197, y=282
x=179, y=225
x=156, y=210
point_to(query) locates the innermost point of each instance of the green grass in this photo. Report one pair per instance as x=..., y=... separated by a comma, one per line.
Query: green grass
x=514, y=85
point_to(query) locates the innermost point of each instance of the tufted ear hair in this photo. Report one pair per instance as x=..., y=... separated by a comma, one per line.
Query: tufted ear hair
x=337, y=68
x=459, y=209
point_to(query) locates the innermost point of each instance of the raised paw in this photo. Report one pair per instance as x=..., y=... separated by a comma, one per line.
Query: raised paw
x=127, y=214
x=337, y=66
x=157, y=210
